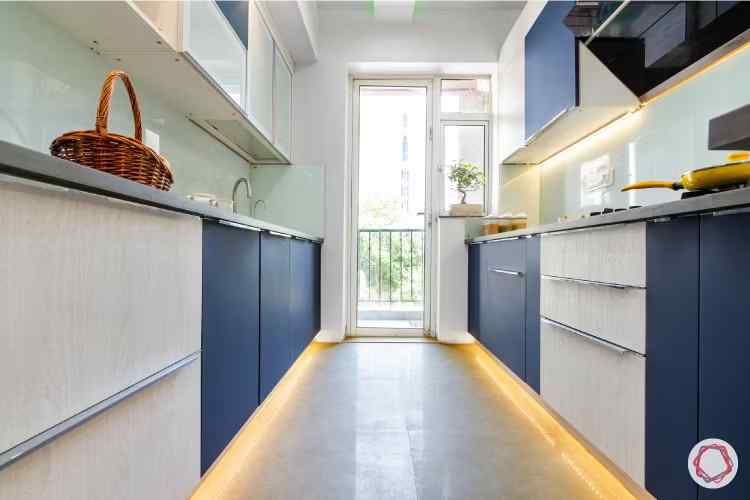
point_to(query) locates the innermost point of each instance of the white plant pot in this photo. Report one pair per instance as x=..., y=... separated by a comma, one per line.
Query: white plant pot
x=466, y=209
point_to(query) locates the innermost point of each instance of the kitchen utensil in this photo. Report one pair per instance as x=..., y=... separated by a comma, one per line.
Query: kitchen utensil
x=734, y=173
x=114, y=153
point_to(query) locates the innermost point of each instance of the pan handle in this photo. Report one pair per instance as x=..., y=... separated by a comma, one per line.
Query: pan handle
x=653, y=184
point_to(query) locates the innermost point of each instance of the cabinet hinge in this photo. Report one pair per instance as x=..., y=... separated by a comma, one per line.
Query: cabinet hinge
x=430, y=134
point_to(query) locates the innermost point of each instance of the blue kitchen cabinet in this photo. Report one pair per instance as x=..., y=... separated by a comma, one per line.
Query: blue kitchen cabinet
x=531, y=335
x=724, y=371
x=276, y=339
x=305, y=260
x=230, y=334
x=550, y=55
x=672, y=323
x=236, y=12
x=475, y=288
x=504, y=297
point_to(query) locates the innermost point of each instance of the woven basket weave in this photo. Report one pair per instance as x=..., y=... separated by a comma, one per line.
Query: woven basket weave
x=114, y=153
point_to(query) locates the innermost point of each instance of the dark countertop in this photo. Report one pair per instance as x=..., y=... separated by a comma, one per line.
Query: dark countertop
x=727, y=200
x=26, y=163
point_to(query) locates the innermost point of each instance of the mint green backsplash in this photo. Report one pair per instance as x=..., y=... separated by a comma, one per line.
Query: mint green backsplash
x=665, y=139
x=50, y=84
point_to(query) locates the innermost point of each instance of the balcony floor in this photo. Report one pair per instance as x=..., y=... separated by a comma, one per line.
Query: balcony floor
x=404, y=421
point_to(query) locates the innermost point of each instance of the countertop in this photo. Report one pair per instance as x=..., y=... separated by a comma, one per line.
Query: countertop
x=26, y=163
x=728, y=200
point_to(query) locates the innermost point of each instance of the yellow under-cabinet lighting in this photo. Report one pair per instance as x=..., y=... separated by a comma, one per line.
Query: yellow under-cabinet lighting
x=606, y=132
x=226, y=472
x=601, y=481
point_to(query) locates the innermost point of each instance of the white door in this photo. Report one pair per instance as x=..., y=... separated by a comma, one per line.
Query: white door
x=391, y=208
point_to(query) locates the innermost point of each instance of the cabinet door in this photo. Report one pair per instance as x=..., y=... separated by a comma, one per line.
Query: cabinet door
x=550, y=73
x=600, y=390
x=303, y=283
x=282, y=104
x=474, y=289
x=231, y=301
x=506, y=314
x=532, y=313
x=275, y=334
x=211, y=42
x=236, y=12
x=724, y=341
x=260, y=55
x=672, y=323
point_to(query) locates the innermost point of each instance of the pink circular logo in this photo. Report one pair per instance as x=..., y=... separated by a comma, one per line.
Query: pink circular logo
x=713, y=463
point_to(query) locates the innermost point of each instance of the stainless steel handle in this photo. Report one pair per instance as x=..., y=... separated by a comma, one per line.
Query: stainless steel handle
x=586, y=282
x=280, y=235
x=503, y=271
x=238, y=226
x=584, y=335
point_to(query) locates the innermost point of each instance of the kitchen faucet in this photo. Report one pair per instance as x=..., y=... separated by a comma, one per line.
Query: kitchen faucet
x=241, y=180
x=255, y=207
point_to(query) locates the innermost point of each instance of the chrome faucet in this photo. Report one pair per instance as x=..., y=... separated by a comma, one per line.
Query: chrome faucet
x=241, y=180
x=255, y=207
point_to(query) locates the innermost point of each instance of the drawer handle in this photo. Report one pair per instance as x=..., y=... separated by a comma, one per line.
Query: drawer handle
x=603, y=343
x=587, y=282
x=503, y=271
x=280, y=235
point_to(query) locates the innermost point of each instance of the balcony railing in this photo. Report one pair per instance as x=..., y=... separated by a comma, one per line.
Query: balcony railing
x=391, y=265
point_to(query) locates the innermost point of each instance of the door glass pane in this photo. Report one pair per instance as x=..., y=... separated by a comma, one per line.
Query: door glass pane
x=391, y=243
x=464, y=143
x=465, y=96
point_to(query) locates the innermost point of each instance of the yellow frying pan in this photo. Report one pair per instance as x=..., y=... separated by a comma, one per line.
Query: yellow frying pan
x=734, y=173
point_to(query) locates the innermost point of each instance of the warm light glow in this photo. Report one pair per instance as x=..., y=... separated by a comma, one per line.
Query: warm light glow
x=224, y=471
x=600, y=480
x=622, y=122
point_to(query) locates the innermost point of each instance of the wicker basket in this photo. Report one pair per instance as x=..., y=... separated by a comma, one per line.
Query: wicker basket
x=114, y=153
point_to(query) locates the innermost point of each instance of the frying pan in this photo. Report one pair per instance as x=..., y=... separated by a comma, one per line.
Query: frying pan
x=734, y=173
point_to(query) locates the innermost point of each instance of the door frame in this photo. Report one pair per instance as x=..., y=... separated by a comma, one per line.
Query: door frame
x=430, y=215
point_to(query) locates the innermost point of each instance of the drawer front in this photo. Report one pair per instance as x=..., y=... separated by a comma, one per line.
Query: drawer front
x=508, y=255
x=598, y=390
x=614, y=313
x=611, y=254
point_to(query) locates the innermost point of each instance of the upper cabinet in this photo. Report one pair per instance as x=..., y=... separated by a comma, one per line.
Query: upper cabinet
x=282, y=104
x=260, y=58
x=569, y=92
x=215, y=61
x=550, y=57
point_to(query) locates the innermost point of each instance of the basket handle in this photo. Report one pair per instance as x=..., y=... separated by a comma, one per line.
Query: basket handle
x=105, y=103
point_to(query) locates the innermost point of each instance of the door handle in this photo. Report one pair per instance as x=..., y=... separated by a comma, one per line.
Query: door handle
x=517, y=274
x=586, y=282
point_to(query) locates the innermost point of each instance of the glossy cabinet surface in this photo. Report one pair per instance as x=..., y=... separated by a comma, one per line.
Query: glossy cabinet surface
x=231, y=328
x=276, y=341
x=260, y=56
x=551, y=85
x=505, y=318
x=236, y=12
x=672, y=360
x=282, y=103
x=724, y=342
x=305, y=293
x=475, y=289
x=532, y=313
x=210, y=40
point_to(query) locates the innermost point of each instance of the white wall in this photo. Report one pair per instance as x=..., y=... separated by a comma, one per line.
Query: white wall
x=348, y=34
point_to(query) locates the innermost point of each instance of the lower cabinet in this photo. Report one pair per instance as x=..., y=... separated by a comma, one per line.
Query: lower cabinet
x=305, y=293
x=599, y=388
x=230, y=334
x=725, y=343
x=504, y=303
x=276, y=342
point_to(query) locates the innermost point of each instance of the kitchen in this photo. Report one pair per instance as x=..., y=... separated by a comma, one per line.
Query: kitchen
x=137, y=314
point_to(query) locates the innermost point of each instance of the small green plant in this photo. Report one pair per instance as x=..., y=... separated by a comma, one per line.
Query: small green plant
x=465, y=177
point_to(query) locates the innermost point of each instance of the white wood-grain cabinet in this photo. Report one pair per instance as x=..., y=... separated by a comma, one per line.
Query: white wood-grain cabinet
x=599, y=389
x=95, y=295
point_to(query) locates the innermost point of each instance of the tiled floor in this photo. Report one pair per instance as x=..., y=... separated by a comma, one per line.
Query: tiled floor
x=402, y=421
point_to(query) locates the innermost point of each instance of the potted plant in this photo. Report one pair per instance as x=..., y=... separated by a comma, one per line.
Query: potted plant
x=466, y=177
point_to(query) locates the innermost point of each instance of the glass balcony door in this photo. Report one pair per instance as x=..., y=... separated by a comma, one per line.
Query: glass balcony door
x=392, y=150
